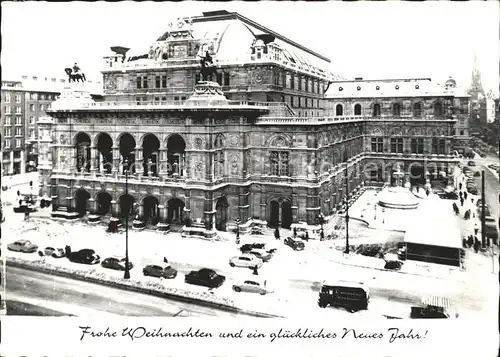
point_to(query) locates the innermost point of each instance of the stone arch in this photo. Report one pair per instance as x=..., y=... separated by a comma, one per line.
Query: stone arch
x=126, y=204
x=339, y=109
x=279, y=212
x=221, y=215
x=104, y=144
x=417, y=109
x=396, y=108
x=175, y=211
x=279, y=140
x=219, y=141
x=82, y=142
x=103, y=202
x=438, y=108
x=176, y=154
x=150, y=153
x=126, y=146
x=151, y=213
x=376, y=109
x=81, y=198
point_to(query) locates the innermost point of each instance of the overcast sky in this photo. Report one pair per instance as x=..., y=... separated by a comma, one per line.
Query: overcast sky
x=370, y=40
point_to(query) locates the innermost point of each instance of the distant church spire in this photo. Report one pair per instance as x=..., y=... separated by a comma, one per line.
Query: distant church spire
x=476, y=83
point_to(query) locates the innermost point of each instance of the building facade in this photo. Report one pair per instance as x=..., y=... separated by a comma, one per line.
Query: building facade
x=22, y=104
x=262, y=141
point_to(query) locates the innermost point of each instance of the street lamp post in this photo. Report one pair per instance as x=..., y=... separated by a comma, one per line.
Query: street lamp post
x=238, y=221
x=127, y=270
x=346, y=203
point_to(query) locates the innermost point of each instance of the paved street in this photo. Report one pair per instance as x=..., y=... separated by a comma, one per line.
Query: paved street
x=42, y=294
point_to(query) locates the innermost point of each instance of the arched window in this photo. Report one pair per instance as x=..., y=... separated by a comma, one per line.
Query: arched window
x=376, y=110
x=438, y=110
x=417, y=110
x=396, y=110
x=339, y=110
x=357, y=109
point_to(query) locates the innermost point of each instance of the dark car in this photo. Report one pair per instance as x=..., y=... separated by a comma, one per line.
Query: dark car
x=84, y=256
x=448, y=195
x=116, y=263
x=471, y=163
x=393, y=265
x=205, y=277
x=246, y=248
x=295, y=244
x=157, y=271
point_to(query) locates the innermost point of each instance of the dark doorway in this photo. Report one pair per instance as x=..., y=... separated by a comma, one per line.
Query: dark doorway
x=127, y=152
x=151, y=214
x=82, y=152
x=417, y=175
x=176, y=148
x=286, y=215
x=81, y=199
x=150, y=150
x=105, y=157
x=126, y=205
x=175, y=211
x=274, y=214
x=221, y=214
x=103, y=203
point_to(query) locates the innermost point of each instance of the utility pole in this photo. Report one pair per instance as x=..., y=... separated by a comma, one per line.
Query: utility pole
x=483, y=204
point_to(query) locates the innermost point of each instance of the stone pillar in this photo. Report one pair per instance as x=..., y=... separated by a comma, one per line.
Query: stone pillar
x=139, y=170
x=141, y=211
x=163, y=213
x=116, y=161
x=54, y=202
x=23, y=162
x=93, y=160
x=114, y=208
x=11, y=168
x=92, y=205
x=162, y=163
x=73, y=158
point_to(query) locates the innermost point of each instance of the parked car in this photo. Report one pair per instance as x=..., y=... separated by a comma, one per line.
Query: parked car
x=295, y=244
x=116, y=263
x=52, y=252
x=448, y=195
x=393, y=265
x=261, y=254
x=84, y=256
x=245, y=261
x=245, y=248
x=252, y=285
x=205, y=277
x=157, y=271
x=22, y=245
x=471, y=163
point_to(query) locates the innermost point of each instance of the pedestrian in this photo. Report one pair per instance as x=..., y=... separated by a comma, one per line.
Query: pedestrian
x=294, y=232
x=418, y=189
x=307, y=236
x=465, y=196
x=67, y=250
x=476, y=246
x=427, y=192
x=461, y=201
x=277, y=233
x=322, y=235
x=255, y=270
x=476, y=228
x=165, y=260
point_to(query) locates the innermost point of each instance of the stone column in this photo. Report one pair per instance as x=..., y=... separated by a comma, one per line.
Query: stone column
x=114, y=208
x=92, y=205
x=139, y=170
x=141, y=211
x=163, y=213
x=116, y=161
x=93, y=160
x=23, y=163
x=73, y=159
x=162, y=163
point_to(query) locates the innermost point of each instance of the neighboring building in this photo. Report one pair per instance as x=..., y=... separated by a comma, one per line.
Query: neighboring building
x=22, y=103
x=274, y=153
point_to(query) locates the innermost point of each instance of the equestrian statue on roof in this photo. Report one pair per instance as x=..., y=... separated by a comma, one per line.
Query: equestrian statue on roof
x=75, y=74
x=208, y=70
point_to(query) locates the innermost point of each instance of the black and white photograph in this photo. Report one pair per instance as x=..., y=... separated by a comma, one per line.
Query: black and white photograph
x=330, y=161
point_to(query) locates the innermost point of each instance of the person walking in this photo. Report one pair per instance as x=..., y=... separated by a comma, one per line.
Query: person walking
x=277, y=233
x=294, y=232
x=465, y=195
x=460, y=186
x=307, y=236
x=461, y=201
x=476, y=229
x=255, y=270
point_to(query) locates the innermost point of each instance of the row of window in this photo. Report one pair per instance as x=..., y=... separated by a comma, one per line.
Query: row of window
x=7, y=121
x=8, y=108
x=417, y=145
x=157, y=100
x=395, y=110
x=31, y=96
x=296, y=82
x=7, y=143
x=8, y=132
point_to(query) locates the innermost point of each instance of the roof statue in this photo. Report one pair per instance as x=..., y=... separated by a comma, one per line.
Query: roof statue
x=75, y=74
x=208, y=70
